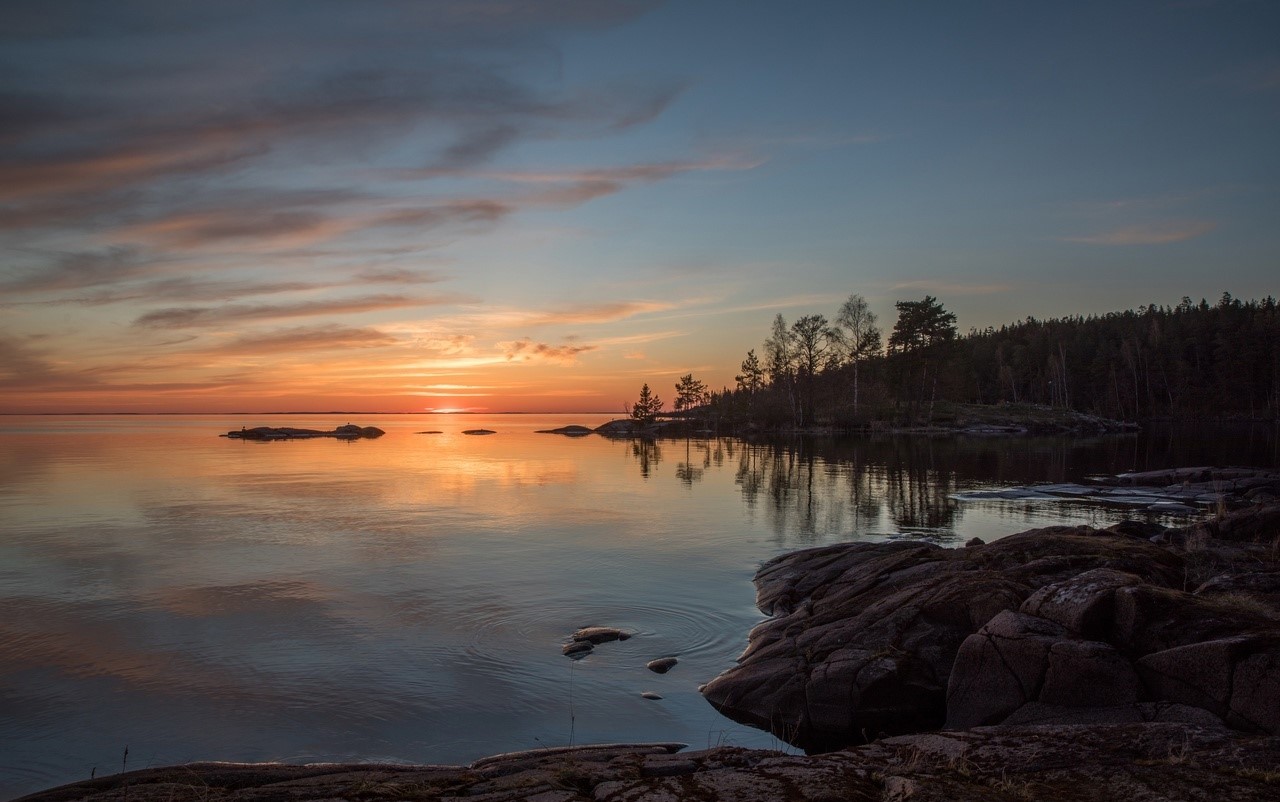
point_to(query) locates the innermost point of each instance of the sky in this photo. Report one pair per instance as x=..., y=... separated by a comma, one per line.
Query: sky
x=508, y=206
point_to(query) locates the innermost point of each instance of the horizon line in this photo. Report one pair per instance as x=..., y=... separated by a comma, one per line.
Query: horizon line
x=313, y=412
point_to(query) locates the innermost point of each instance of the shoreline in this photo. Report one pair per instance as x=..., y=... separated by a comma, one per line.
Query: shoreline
x=1062, y=763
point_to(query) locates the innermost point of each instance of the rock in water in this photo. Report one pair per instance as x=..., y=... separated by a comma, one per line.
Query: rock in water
x=650, y=695
x=600, y=634
x=662, y=665
x=577, y=649
x=569, y=431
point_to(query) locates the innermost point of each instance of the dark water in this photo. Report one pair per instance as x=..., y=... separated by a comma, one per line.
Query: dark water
x=191, y=597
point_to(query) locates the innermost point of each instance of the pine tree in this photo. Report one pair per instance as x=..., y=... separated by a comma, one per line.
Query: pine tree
x=646, y=407
x=690, y=392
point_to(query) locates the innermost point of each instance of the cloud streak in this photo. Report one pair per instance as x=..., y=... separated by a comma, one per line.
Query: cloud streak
x=596, y=313
x=527, y=351
x=307, y=338
x=1149, y=234
x=202, y=316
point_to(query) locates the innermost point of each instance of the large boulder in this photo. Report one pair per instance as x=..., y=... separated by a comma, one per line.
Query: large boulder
x=863, y=637
x=1053, y=626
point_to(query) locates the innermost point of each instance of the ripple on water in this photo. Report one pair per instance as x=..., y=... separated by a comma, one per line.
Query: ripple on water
x=522, y=646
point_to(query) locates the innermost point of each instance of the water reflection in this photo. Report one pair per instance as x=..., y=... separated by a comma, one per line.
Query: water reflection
x=647, y=454
x=405, y=598
x=811, y=490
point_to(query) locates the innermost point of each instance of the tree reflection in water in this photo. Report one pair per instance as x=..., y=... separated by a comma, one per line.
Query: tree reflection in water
x=697, y=458
x=647, y=454
x=819, y=489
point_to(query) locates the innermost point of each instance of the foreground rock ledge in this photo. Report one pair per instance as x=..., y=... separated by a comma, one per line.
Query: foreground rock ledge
x=1063, y=625
x=1134, y=762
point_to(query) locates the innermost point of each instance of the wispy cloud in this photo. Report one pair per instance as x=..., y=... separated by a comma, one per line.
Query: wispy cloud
x=528, y=350
x=77, y=270
x=1149, y=233
x=573, y=187
x=307, y=338
x=193, y=316
x=595, y=313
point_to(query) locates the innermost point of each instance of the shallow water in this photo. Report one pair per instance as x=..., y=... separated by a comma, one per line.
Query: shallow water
x=190, y=597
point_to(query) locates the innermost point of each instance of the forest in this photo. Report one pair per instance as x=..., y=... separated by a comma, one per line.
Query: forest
x=1192, y=361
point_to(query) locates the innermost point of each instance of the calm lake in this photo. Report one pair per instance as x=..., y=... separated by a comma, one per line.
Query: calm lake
x=192, y=597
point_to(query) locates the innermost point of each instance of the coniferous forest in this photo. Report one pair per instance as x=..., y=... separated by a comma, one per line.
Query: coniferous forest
x=1192, y=361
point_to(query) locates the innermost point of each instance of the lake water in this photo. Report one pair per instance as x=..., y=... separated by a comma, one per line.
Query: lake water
x=190, y=597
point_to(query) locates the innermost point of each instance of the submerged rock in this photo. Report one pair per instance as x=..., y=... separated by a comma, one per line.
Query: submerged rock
x=577, y=649
x=1182, y=491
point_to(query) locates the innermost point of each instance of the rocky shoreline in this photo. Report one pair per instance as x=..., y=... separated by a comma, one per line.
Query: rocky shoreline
x=1138, y=762
x=952, y=419
x=1057, y=626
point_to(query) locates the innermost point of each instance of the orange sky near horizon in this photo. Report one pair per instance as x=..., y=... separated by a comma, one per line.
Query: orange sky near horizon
x=542, y=205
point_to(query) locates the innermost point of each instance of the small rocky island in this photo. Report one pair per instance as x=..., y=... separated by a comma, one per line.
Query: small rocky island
x=349, y=431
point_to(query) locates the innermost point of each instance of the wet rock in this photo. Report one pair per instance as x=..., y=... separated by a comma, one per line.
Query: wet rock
x=1183, y=491
x=650, y=695
x=478, y=431
x=599, y=635
x=662, y=665
x=577, y=649
x=1060, y=625
x=974, y=541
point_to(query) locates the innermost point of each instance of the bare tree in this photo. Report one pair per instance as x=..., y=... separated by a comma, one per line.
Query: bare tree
x=858, y=335
x=813, y=341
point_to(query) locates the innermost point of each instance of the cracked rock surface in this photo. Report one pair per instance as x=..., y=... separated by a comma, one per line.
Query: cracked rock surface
x=1136, y=762
x=1063, y=625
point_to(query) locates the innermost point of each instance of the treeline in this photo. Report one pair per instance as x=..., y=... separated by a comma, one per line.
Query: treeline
x=1195, y=360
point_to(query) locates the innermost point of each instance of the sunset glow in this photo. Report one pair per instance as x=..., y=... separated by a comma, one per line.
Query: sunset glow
x=482, y=206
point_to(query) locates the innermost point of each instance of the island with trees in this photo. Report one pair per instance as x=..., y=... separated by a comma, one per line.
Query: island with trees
x=1192, y=361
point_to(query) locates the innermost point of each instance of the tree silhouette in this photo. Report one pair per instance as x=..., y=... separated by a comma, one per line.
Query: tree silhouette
x=751, y=379
x=811, y=340
x=646, y=407
x=858, y=336
x=689, y=392
x=921, y=324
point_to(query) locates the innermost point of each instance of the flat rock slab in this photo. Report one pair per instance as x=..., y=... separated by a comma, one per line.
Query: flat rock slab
x=1137, y=762
x=1175, y=491
x=600, y=634
x=349, y=431
x=569, y=431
